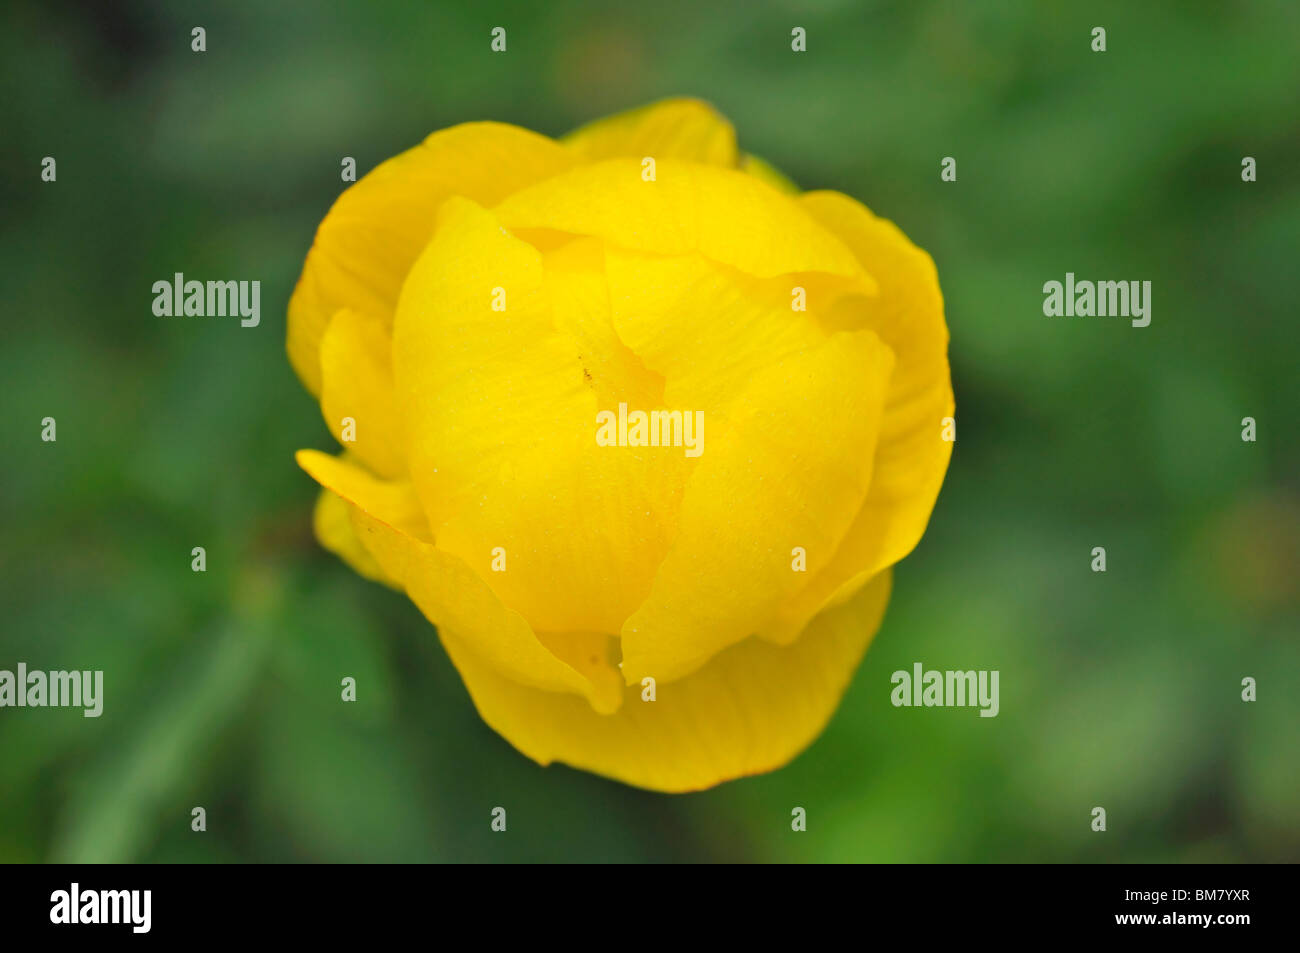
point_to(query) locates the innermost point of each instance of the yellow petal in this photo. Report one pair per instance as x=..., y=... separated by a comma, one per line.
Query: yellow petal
x=595, y=656
x=394, y=502
x=357, y=385
x=706, y=328
x=449, y=593
x=332, y=522
x=677, y=128
x=750, y=710
x=790, y=471
x=723, y=214
x=502, y=419
x=578, y=290
x=912, y=457
x=367, y=242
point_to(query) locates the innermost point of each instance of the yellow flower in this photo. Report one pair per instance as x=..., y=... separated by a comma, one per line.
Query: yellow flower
x=472, y=307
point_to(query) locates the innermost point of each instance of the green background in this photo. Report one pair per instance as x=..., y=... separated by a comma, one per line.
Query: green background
x=1119, y=689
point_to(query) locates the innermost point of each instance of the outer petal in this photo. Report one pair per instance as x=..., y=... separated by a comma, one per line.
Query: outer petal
x=375, y=230
x=911, y=459
x=332, y=522
x=447, y=591
x=750, y=710
x=394, y=502
x=759, y=492
x=675, y=128
x=357, y=383
x=723, y=214
x=501, y=409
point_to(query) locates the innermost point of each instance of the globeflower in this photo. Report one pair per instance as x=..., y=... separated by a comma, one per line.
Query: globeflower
x=640, y=428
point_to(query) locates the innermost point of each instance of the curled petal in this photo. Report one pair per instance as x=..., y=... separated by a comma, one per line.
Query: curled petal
x=723, y=214
x=367, y=242
x=449, y=593
x=912, y=457
x=751, y=709
x=675, y=128
x=761, y=491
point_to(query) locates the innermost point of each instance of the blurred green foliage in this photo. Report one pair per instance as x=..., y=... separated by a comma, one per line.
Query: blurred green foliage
x=1120, y=690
